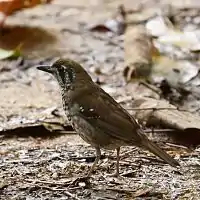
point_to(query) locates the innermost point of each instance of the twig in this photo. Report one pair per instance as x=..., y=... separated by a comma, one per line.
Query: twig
x=59, y=189
x=156, y=109
x=158, y=130
x=151, y=108
x=151, y=87
x=155, y=160
x=120, y=190
x=86, y=159
x=47, y=182
x=50, y=188
x=75, y=187
x=137, y=193
x=103, y=189
x=176, y=145
x=19, y=161
x=124, y=99
x=115, y=189
x=83, y=157
x=128, y=174
x=127, y=153
x=34, y=181
x=129, y=163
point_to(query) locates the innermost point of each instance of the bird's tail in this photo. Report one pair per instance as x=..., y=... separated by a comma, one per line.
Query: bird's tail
x=155, y=149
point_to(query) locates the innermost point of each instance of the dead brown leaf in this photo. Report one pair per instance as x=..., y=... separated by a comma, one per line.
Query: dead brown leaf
x=142, y=192
x=7, y=7
x=116, y=24
x=138, y=53
x=186, y=125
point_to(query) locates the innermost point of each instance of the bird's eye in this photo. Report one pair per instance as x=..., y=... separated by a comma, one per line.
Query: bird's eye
x=65, y=75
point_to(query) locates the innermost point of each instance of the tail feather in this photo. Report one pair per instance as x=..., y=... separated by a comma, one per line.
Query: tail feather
x=155, y=149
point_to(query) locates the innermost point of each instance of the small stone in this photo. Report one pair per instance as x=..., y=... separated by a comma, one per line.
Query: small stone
x=82, y=184
x=55, y=175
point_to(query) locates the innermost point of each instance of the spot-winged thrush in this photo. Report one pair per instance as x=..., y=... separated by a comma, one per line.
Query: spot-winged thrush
x=96, y=116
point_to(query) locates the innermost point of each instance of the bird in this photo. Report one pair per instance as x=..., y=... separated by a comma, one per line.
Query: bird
x=96, y=116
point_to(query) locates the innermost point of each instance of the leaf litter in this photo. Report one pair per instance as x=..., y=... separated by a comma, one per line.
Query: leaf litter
x=41, y=156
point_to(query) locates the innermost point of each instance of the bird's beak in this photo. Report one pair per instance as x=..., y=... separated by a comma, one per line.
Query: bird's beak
x=45, y=68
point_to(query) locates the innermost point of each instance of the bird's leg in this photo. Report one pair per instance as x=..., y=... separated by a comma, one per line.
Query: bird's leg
x=98, y=156
x=86, y=178
x=116, y=173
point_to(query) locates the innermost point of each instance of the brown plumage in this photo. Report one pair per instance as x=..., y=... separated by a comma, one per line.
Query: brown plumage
x=96, y=116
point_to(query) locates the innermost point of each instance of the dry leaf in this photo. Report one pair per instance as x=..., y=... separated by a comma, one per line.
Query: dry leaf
x=159, y=26
x=174, y=71
x=164, y=114
x=4, y=54
x=115, y=25
x=188, y=39
x=162, y=28
x=7, y=7
x=142, y=192
x=140, y=16
x=138, y=53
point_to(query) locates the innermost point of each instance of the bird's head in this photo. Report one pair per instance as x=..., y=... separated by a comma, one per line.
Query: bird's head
x=67, y=72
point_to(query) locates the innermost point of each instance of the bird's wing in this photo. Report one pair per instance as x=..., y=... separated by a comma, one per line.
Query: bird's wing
x=104, y=113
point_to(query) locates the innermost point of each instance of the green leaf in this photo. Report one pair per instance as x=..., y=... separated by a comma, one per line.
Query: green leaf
x=16, y=53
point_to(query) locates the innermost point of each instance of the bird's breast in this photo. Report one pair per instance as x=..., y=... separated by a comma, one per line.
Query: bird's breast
x=94, y=135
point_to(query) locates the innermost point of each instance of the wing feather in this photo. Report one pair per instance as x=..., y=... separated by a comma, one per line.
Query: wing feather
x=104, y=113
